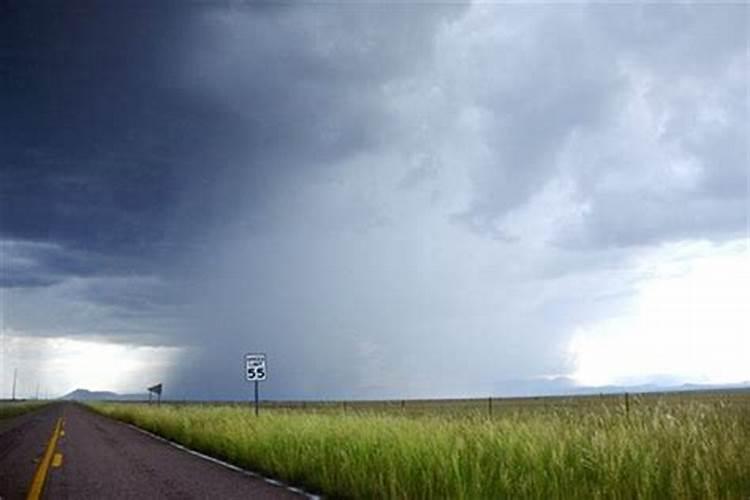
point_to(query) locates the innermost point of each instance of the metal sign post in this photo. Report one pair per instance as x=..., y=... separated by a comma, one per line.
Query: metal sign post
x=255, y=371
x=256, y=398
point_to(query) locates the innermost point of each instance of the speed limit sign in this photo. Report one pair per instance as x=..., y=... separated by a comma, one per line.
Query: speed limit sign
x=255, y=367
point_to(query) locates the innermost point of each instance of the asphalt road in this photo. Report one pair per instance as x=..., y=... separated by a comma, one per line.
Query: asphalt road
x=100, y=458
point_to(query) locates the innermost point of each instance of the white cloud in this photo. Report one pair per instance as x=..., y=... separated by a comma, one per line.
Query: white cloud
x=688, y=319
x=55, y=366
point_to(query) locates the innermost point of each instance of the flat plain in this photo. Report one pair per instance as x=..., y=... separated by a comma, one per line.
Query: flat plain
x=674, y=445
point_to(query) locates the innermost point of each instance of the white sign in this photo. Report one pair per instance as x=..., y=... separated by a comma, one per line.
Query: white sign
x=255, y=367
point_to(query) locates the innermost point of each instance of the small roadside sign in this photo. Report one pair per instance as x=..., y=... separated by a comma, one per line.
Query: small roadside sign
x=255, y=371
x=255, y=367
x=155, y=389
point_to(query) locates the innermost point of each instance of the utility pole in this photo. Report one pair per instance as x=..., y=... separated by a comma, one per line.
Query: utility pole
x=15, y=375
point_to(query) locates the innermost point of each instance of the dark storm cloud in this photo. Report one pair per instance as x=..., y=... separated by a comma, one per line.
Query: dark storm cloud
x=305, y=86
x=96, y=141
x=40, y=264
x=278, y=267
x=289, y=178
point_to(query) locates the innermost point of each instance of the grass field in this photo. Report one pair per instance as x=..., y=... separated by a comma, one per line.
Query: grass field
x=680, y=446
x=12, y=408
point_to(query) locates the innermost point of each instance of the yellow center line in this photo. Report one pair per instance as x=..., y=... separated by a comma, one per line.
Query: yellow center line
x=40, y=476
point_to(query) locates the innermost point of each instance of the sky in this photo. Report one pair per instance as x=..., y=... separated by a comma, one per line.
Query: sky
x=423, y=199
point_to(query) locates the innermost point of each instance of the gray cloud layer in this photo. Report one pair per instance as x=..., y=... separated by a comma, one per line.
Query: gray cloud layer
x=422, y=199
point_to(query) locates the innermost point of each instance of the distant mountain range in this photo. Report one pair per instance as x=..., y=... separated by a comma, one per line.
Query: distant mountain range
x=86, y=395
x=561, y=386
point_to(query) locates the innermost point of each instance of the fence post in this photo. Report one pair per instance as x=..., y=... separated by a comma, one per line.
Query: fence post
x=489, y=405
x=627, y=404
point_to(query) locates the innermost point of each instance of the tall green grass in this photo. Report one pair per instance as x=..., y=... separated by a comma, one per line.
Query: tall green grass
x=691, y=449
x=11, y=409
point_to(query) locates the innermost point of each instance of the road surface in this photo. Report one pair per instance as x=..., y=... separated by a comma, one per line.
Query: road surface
x=95, y=457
